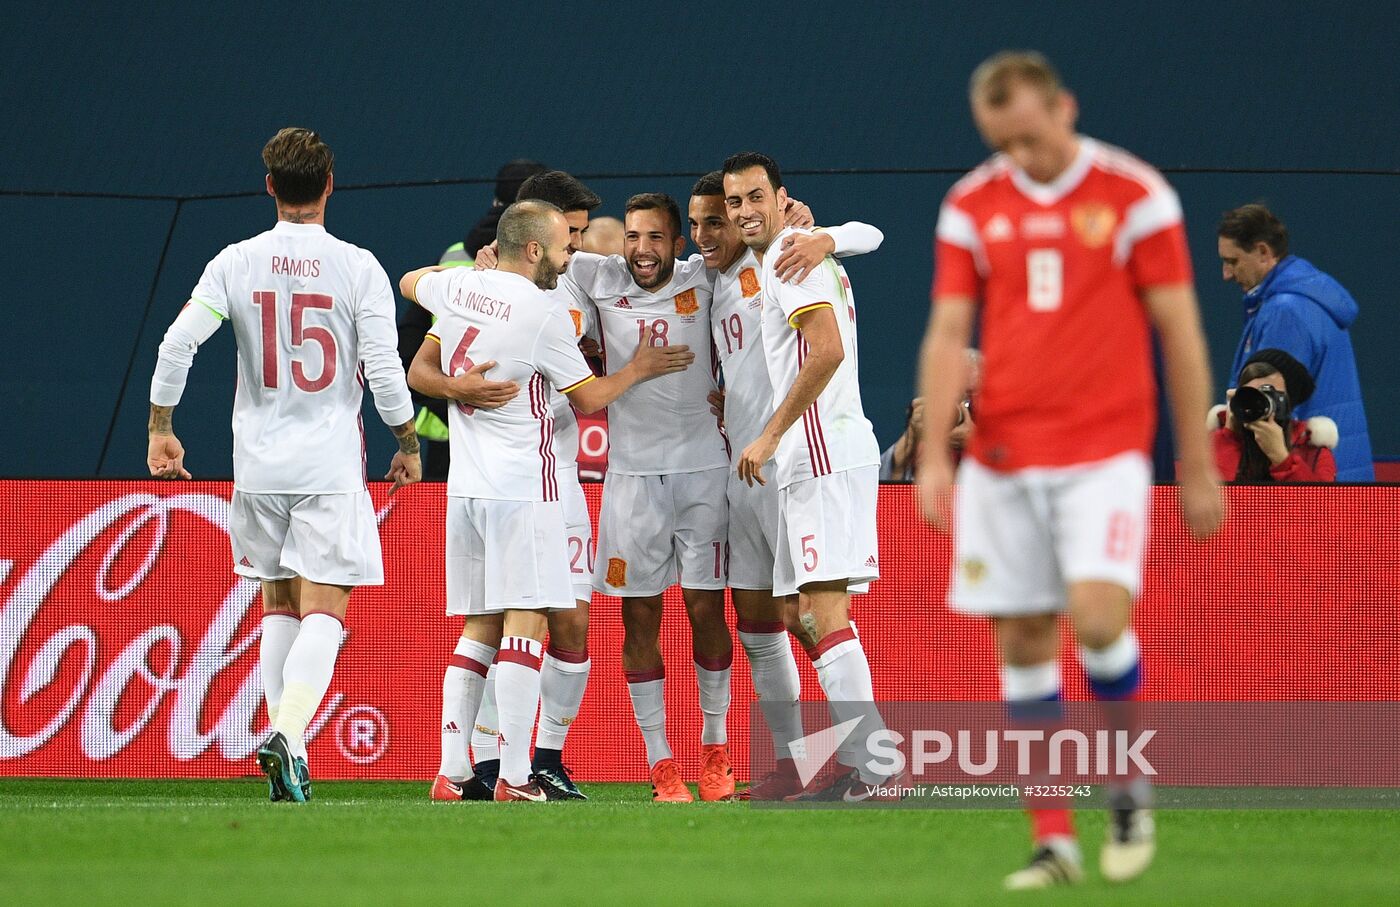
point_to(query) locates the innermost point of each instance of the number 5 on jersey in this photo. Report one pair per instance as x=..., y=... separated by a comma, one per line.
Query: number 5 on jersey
x=266, y=301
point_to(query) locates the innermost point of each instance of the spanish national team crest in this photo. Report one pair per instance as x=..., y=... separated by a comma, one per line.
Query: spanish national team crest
x=748, y=283
x=1094, y=224
x=578, y=321
x=617, y=571
x=686, y=303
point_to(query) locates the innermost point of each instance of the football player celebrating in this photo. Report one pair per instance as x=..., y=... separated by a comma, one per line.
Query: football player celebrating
x=507, y=560
x=309, y=311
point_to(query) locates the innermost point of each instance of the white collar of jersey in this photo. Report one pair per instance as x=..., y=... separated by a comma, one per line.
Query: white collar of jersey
x=1062, y=185
x=287, y=226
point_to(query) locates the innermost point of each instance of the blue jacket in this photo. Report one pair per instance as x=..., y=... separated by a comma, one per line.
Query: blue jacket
x=1306, y=313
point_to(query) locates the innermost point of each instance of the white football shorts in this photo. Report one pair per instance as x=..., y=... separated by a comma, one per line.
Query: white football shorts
x=1022, y=537
x=653, y=530
x=506, y=555
x=826, y=531
x=326, y=538
x=578, y=533
x=753, y=531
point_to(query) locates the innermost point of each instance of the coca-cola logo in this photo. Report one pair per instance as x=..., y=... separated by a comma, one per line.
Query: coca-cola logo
x=165, y=668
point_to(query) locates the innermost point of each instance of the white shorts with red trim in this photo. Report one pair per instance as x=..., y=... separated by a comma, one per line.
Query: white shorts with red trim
x=578, y=533
x=826, y=531
x=753, y=531
x=1022, y=537
x=326, y=538
x=506, y=555
x=656, y=530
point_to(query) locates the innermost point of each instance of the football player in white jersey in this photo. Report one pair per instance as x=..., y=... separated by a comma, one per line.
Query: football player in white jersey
x=507, y=559
x=747, y=404
x=565, y=670
x=313, y=317
x=664, y=510
x=826, y=458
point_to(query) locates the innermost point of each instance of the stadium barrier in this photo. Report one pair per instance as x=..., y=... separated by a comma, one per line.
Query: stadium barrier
x=128, y=648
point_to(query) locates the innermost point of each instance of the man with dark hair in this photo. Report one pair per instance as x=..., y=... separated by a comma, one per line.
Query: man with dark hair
x=747, y=403
x=301, y=521
x=820, y=452
x=1292, y=306
x=507, y=558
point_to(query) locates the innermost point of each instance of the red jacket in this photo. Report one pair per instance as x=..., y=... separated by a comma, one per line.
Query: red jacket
x=1307, y=461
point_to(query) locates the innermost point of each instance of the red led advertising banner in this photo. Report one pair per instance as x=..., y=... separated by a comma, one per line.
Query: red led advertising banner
x=128, y=648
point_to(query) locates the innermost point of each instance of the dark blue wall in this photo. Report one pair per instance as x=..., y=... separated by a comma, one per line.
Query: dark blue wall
x=175, y=102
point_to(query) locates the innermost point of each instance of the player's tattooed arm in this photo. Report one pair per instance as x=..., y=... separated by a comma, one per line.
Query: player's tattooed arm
x=426, y=376
x=406, y=468
x=165, y=456
x=407, y=436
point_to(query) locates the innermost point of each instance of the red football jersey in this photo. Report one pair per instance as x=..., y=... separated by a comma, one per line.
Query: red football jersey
x=1058, y=269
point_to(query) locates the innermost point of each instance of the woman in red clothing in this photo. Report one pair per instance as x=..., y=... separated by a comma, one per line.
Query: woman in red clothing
x=1274, y=448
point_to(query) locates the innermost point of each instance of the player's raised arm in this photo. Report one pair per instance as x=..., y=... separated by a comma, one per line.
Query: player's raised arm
x=408, y=284
x=804, y=252
x=196, y=323
x=650, y=362
x=942, y=381
x=1176, y=316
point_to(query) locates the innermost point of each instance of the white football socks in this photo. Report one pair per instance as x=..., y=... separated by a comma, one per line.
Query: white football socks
x=563, y=679
x=462, y=685
x=307, y=675
x=517, y=699
x=648, y=692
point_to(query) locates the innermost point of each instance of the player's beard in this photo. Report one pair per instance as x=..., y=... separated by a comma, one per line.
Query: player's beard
x=664, y=269
x=546, y=275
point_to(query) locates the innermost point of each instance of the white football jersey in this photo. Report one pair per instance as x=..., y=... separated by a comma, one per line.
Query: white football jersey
x=506, y=453
x=833, y=435
x=314, y=320
x=736, y=319
x=663, y=426
x=584, y=321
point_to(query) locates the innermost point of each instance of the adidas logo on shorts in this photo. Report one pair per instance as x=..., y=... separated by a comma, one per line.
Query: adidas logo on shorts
x=871, y=562
x=245, y=562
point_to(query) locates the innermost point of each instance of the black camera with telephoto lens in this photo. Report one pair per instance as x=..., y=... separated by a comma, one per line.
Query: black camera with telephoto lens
x=1250, y=404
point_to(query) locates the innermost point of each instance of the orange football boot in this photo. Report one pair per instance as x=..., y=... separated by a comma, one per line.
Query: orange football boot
x=666, y=784
x=716, y=774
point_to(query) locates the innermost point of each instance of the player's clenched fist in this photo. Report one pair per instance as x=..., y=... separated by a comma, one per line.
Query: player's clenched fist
x=405, y=469
x=165, y=457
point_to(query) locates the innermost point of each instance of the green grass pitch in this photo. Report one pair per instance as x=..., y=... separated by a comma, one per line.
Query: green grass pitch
x=221, y=842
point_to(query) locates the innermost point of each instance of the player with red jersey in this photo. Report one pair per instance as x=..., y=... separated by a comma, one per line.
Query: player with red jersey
x=1075, y=251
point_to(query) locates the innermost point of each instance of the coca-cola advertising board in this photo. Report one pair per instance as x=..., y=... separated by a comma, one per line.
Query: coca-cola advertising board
x=128, y=648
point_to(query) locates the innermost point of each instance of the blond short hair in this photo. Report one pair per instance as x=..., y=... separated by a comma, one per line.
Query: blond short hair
x=992, y=81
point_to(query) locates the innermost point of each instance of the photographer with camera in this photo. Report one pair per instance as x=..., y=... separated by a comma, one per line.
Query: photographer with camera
x=1255, y=438
x=899, y=459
